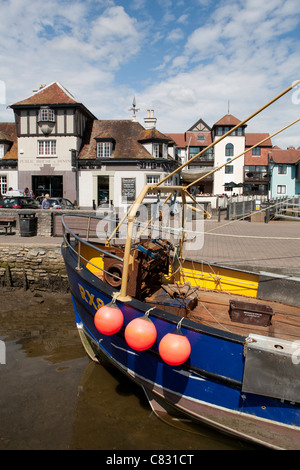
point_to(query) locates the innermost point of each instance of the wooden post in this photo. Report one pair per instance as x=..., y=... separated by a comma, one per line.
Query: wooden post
x=126, y=261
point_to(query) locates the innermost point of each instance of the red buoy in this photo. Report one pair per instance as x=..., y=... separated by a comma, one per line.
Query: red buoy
x=109, y=319
x=140, y=333
x=174, y=348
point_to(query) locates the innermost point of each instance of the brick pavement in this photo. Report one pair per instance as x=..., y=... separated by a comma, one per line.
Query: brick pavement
x=248, y=245
x=274, y=246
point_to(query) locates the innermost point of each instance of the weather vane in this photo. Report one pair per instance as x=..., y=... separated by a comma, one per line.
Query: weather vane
x=134, y=109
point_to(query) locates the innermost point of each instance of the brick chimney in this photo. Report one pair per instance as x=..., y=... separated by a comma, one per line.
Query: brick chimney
x=150, y=120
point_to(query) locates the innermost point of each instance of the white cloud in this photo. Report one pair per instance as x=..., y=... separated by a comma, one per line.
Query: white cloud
x=66, y=42
x=106, y=51
x=243, y=53
x=183, y=19
x=175, y=35
x=205, y=41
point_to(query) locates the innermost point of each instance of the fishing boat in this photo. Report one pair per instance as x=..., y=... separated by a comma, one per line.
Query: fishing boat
x=225, y=357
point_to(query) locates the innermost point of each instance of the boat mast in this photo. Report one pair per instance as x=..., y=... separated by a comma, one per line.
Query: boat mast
x=229, y=132
x=183, y=190
x=243, y=153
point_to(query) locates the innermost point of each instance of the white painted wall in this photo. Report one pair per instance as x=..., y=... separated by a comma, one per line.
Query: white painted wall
x=220, y=177
x=86, y=189
x=88, y=184
x=12, y=178
x=29, y=160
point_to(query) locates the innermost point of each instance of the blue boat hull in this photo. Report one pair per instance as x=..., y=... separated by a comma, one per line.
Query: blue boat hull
x=208, y=387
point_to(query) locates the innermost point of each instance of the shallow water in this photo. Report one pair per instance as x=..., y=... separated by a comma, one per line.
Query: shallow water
x=53, y=397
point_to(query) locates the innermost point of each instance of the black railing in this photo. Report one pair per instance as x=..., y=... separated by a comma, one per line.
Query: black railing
x=257, y=176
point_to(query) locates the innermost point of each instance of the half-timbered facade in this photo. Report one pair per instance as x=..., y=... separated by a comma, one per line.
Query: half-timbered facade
x=57, y=145
x=49, y=124
x=8, y=156
x=65, y=151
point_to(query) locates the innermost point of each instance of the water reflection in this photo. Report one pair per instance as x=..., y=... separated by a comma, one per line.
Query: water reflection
x=53, y=397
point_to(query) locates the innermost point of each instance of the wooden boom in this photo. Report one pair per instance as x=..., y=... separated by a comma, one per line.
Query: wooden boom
x=182, y=189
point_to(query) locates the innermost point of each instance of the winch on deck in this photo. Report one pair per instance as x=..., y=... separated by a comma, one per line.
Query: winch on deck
x=148, y=261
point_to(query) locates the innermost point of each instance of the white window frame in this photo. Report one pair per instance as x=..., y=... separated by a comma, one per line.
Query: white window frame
x=46, y=148
x=2, y=150
x=281, y=189
x=165, y=150
x=104, y=149
x=3, y=184
x=155, y=150
x=152, y=179
x=46, y=114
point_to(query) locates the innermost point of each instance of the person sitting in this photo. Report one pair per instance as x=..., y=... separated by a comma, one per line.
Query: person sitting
x=28, y=193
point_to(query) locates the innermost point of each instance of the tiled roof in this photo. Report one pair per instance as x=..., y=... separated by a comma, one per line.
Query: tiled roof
x=126, y=134
x=54, y=93
x=288, y=156
x=191, y=139
x=179, y=139
x=228, y=120
x=199, y=126
x=255, y=138
x=261, y=159
x=153, y=134
x=8, y=133
x=5, y=137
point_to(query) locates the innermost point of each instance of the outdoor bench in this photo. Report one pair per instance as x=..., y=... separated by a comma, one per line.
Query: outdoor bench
x=7, y=223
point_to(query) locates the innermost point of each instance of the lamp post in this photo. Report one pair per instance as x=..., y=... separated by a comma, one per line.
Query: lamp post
x=271, y=165
x=74, y=164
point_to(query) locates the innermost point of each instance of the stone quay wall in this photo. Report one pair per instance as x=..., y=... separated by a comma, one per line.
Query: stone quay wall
x=33, y=267
x=32, y=264
x=48, y=222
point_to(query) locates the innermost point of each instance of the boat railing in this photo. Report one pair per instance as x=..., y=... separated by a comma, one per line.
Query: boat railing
x=77, y=241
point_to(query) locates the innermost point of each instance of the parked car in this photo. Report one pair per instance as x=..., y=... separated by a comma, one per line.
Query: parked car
x=14, y=192
x=18, y=202
x=57, y=203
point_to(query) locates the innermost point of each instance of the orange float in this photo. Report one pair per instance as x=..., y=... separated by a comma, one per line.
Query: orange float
x=140, y=333
x=174, y=348
x=109, y=319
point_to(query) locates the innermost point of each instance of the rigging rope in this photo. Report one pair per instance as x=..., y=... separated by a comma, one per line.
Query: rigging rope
x=178, y=231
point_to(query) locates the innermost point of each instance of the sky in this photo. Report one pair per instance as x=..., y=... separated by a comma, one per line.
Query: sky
x=185, y=59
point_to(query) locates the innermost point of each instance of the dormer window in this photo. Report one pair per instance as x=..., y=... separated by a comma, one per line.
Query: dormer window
x=1, y=150
x=104, y=149
x=256, y=151
x=159, y=150
x=105, y=145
